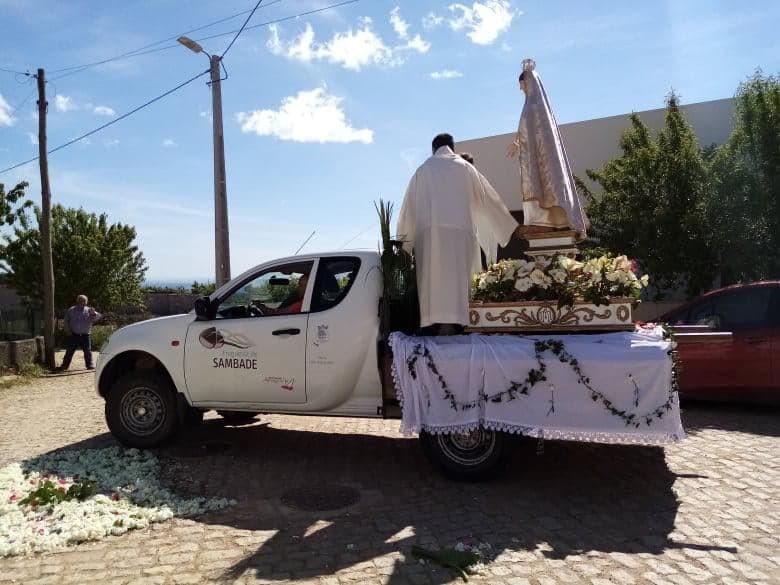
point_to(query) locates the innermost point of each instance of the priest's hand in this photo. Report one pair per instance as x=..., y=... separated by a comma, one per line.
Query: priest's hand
x=512, y=149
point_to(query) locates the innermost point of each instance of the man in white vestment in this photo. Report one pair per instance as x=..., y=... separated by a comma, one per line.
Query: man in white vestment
x=450, y=210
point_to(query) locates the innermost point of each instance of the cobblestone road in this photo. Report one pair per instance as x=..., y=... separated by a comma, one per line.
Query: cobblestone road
x=703, y=511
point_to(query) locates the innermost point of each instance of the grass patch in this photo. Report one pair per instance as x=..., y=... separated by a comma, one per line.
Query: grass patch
x=23, y=375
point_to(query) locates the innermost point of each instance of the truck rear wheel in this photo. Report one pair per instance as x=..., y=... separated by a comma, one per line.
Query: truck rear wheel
x=141, y=410
x=474, y=456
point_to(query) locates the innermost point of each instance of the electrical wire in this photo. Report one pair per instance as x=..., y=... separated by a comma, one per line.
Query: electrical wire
x=143, y=50
x=139, y=52
x=114, y=121
x=14, y=71
x=243, y=26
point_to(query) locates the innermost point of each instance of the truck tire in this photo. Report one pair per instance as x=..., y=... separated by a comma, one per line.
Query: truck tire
x=141, y=410
x=476, y=456
x=237, y=417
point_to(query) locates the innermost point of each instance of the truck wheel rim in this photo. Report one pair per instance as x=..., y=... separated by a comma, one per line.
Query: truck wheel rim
x=468, y=449
x=142, y=411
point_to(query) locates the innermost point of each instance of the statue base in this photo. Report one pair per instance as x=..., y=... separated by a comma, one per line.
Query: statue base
x=543, y=241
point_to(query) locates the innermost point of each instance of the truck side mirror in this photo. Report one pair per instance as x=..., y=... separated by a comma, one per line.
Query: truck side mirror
x=204, y=309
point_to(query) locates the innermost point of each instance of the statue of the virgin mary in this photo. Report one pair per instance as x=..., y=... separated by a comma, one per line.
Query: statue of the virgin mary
x=550, y=198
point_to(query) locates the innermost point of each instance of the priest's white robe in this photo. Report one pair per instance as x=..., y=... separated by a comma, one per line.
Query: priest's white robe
x=450, y=210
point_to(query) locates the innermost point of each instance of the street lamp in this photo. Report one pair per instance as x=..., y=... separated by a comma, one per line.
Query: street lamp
x=221, y=230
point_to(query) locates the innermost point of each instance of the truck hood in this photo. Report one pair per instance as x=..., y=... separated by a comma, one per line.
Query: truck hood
x=146, y=334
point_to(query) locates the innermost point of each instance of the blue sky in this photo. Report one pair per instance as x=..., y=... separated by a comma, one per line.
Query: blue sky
x=325, y=114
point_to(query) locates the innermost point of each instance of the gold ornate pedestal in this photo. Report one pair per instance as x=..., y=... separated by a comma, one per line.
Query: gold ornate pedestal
x=543, y=316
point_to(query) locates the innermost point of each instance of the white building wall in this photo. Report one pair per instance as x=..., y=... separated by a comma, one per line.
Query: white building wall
x=591, y=143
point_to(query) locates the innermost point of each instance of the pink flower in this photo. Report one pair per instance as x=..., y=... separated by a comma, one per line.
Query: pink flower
x=32, y=482
x=13, y=498
x=63, y=482
x=634, y=266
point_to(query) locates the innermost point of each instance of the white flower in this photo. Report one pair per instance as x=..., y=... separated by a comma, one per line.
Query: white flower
x=523, y=284
x=558, y=275
x=644, y=280
x=131, y=475
x=569, y=264
x=540, y=279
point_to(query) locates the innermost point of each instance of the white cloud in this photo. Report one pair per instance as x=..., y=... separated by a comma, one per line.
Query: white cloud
x=103, y=111
x=353, y=49
x=432, y=20
x=111, y=142
x=169, y=143
x=400, y=26
x=63, y=103
x=6, y=113
x=33, y=138
x=484, y=21
x=446, y=74
x=308, y=116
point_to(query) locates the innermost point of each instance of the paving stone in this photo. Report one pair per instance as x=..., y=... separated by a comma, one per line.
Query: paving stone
x=580, y=513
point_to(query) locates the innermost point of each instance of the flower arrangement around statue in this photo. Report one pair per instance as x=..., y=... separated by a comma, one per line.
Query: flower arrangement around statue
x=556, y=294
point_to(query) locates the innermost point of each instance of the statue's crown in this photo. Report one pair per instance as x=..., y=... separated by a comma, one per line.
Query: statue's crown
x=529, y=64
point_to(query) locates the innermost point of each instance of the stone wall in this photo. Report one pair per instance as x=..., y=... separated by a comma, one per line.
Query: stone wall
x=19, y=353
x=169, y=304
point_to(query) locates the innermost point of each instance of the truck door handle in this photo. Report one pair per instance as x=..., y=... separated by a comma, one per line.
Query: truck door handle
x=286, y=332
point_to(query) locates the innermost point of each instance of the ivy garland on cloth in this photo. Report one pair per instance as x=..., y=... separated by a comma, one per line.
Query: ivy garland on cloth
x=537, y=375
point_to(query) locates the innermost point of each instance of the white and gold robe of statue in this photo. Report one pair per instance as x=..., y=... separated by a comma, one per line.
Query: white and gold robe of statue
x=450, y=210
x=546, y=181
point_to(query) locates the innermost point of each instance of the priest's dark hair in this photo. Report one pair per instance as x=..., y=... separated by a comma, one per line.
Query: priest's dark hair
x=443, y=139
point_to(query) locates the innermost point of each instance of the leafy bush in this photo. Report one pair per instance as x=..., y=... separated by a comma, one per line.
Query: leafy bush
x=100, y=335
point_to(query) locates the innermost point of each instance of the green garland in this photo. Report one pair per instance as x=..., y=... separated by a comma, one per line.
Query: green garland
x=537, y=375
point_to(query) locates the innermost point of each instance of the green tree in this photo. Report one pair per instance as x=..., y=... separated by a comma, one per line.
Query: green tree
x=91, y=257
x=13, y=204
x=744, y=212
x=202, y=288
x=653, y=204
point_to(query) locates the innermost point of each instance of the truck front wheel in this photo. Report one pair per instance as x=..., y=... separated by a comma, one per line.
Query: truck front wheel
x=141, y=410
x=474, y=456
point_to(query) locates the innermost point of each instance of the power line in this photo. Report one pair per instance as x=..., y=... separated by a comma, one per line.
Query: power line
x=243, y=26
x=114, y=121
x=140, y=52
x=14, y=71
x=143, y=50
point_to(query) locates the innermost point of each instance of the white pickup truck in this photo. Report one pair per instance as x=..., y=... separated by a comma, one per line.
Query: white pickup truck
x=299, y=335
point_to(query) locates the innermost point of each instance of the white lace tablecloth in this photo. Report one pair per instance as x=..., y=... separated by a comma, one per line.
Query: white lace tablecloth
x=622, y=392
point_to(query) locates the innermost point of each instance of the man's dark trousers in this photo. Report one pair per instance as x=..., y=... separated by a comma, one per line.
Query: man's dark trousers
x=76, y=341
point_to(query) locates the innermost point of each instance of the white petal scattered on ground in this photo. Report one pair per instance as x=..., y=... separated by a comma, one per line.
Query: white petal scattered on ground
x=129, y=496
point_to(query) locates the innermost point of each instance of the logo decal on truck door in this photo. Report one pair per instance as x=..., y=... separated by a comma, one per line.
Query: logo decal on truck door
x=213, y=338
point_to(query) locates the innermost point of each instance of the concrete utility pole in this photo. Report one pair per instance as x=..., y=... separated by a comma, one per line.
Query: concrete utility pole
x=45, y=226
x=221, y=230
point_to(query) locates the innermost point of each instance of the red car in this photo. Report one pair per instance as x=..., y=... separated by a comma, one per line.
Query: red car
x=748, y=368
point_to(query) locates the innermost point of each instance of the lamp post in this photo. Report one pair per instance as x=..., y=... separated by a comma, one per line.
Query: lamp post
x=221, y=230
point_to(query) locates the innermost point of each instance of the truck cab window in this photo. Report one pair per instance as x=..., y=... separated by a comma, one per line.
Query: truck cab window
x=275, y=291
x=334, y=279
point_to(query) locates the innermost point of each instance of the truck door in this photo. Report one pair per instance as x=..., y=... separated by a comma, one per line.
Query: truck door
x=254, y=350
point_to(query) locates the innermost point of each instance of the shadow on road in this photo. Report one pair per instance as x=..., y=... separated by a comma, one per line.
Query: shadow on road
x=725, y=416
x=574, y=498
